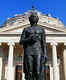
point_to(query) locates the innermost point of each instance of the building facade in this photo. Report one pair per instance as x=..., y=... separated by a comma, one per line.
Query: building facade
x=11, y=53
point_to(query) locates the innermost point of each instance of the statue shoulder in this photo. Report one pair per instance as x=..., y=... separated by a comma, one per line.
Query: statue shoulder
x=26, y=29
x=41, y=28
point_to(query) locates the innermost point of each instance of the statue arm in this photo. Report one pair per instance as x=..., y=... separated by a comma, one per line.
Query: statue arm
x=23, y=39
x=44, y=47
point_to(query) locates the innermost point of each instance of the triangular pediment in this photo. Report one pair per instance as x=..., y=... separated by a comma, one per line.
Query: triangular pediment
x=19, y=29
x=19, y=22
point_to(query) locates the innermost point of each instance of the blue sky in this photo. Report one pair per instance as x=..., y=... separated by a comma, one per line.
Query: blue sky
x=57, y=8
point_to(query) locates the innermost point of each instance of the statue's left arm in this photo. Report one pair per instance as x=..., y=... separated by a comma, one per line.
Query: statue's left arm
x=44, y=47
x=24, y=40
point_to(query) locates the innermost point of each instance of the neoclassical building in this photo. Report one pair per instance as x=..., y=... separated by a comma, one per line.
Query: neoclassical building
x=11, y=53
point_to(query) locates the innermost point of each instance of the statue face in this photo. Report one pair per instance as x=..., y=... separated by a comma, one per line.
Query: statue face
x=33, y=18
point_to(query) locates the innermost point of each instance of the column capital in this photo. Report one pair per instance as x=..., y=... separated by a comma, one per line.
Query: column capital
x=11, y=43
x=53, y=43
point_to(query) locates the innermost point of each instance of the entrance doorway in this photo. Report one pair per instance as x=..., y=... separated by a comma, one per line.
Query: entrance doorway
x=18, y=73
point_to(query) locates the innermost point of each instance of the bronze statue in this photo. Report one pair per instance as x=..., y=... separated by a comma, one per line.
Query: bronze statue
x=35, y=51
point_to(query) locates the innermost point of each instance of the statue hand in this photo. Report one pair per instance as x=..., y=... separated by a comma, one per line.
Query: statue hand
x=44, y=59
x=30, y=37
x=35, y=38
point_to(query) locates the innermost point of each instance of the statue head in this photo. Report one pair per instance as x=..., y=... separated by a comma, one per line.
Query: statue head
x=33, y=17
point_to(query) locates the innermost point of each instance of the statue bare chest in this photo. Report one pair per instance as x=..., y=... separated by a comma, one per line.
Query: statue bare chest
x=33, y=31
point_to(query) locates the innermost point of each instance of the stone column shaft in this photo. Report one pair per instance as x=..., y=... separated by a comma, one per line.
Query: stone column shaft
x=0, y=68
x=64, y=58
x=1, y=63
x=23, y=76
x=51, y=72
x=55, y=64
x=10, y=62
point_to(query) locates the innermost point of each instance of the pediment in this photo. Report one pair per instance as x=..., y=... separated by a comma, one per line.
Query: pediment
x=19, y=22
x=19, y=29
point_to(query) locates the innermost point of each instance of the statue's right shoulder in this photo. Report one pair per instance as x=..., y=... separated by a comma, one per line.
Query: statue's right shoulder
x=26, y=29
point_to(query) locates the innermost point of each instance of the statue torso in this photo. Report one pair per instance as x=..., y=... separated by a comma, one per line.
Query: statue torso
x=34, y=48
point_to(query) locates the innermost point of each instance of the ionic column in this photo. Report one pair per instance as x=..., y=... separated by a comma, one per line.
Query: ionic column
x=55, y=64
x=64, y=58
x=51, y=72
x=10, y=62
x=23, y=76
x=0, y=66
